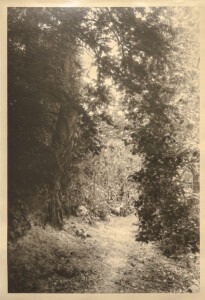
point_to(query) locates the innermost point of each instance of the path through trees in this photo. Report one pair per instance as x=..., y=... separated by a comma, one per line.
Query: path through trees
x=110, y=135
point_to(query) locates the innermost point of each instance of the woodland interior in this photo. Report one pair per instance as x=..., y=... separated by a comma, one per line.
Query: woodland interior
x=103, y=150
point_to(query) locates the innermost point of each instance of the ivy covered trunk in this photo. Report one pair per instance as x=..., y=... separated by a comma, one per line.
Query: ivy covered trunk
x=54, y=211
x=65, y=129
x=62, y=147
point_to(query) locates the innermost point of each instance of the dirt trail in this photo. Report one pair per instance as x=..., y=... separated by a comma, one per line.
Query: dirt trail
x=115, y=241
x=109, y=261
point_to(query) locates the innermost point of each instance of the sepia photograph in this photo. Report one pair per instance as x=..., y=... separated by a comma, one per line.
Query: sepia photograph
x=103, y=149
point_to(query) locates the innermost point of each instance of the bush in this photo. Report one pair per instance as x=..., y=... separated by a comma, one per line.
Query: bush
x=184, y=235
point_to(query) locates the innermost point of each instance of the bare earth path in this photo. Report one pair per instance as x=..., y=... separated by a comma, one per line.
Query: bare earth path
x=109, y=261
x=115, y=242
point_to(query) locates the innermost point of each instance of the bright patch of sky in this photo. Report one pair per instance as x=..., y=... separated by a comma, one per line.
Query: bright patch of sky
x=90, y=70
x=139, y=15
x=90, y=74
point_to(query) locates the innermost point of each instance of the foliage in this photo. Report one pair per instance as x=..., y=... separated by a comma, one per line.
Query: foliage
x=101, y=181
x=56, y=120
x=36, y=90
x=44, y=95
x=185, y=230
x=164, y=209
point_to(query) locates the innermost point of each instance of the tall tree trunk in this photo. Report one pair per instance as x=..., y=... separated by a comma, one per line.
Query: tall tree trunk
x=62, y=146
x=64, y=133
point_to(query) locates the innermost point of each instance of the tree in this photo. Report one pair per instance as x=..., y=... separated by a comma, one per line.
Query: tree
x=46, y=105
x=43, y=100
x=161, y=120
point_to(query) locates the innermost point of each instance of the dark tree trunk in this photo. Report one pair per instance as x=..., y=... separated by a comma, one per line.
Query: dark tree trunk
x=62, y=146
x=54, y=211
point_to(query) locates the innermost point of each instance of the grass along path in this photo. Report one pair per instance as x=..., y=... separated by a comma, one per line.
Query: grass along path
x=108, y=261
